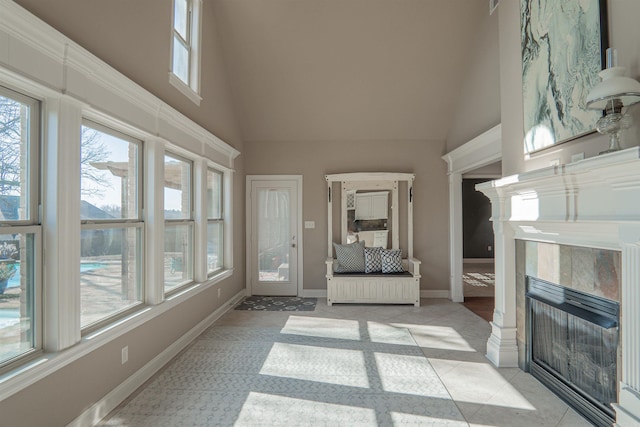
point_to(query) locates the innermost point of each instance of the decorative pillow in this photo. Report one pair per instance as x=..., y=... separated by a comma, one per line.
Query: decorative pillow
x=391, y=260
x=350, y=258
x=372, y=260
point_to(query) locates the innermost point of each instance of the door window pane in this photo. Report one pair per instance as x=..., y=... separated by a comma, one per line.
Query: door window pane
x=109, y=176
x=274, y=235
x=14, y=159
x=178, y=255
x=17, y=295
x=177, y=188
x=110, y=272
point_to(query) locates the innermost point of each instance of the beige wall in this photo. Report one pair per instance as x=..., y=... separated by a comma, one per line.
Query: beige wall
x=478, y=100
x=133, y=37
x=314, y=160
x=624, y=35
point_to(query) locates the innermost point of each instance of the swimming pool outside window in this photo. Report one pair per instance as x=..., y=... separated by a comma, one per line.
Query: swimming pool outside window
x=20, y=234
x=111, y=256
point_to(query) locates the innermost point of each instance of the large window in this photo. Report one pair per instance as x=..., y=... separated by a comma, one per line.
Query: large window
x=179, y=223
x=215, y=223
x=185, y=62
x=20, y=302
x=110, y=210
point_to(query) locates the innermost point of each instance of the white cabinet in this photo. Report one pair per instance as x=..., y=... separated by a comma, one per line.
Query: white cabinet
x=372, y=205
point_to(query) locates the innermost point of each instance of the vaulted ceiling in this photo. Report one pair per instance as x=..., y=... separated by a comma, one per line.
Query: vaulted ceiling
x=346, y=70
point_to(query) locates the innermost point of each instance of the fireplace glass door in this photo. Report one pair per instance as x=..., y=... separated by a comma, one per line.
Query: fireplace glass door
x=574, y=347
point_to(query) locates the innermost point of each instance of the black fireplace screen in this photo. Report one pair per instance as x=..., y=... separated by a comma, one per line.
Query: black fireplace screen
x=573, y=345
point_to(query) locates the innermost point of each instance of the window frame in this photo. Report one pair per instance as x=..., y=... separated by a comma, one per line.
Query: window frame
x=190, y=88
x=121, y=223
x=217, y=220
x=190, y=222
x=31, y=224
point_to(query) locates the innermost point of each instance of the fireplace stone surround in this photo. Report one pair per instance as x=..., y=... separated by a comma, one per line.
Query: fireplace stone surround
x=591, y=205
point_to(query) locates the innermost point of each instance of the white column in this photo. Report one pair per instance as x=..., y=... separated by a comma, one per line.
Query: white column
x=61, y=220
x=628, y=407
x=154, y=221
x=455, y=237
x=502, y=347
x=200, y=216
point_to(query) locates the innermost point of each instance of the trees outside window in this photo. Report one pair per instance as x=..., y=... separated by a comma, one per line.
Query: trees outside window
x=20, y=234
x=111, y=231
x=179, y=222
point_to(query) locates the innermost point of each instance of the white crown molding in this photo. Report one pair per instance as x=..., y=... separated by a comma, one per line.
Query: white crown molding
x=14, y=20
x=480, y=151
x=78, y=73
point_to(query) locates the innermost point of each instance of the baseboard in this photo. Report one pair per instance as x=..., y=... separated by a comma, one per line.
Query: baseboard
x=115, y=397
x=478, y=261
x=444, y=293
x=314, y=293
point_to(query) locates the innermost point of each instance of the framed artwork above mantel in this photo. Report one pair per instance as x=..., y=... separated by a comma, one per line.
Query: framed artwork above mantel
x=563, y=50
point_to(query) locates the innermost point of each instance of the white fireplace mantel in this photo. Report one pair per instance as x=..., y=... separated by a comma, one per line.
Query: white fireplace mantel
x=592, y=203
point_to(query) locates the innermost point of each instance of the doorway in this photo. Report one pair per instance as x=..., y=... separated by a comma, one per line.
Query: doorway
x=274, y=246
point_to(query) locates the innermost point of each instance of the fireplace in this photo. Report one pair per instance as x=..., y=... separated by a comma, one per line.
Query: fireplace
x=567, y=215
x=572, y=347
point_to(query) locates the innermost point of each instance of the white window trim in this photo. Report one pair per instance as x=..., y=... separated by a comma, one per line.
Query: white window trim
x=189, y=89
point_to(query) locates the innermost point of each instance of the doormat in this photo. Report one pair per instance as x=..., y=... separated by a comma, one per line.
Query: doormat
x=260, y=303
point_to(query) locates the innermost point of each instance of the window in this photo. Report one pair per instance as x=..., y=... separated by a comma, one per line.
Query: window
x=179, y=223
x=215, y=224
x=20, y=241
x=185, y=48
x=111, y=234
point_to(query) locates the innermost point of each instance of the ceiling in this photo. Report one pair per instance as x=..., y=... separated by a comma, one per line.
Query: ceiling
x=346, y=70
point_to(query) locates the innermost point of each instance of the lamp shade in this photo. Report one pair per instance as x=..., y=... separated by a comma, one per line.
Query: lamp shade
x=614, y=85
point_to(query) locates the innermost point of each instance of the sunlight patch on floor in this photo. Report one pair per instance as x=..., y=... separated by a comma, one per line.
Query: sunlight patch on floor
x=260, y=408
x=322, y=327
x=313, y=363
x=480, y=383
x=409, y=375
x=385, y=333
x=438, y=337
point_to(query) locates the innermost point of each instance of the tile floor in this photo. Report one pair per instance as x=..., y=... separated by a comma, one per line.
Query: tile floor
x=345, y=365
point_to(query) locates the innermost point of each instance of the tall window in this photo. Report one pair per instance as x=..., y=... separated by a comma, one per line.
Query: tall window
x=179, y=223
x=185, y=44
x=111, y=235
x=20, y=241
x=215, y=224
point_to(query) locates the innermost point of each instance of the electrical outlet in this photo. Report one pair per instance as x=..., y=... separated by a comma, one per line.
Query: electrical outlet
x=309, y=224
x=554, y=162
x=125, y=354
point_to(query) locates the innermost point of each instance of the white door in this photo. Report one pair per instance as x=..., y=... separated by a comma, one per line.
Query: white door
x=272, y=235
